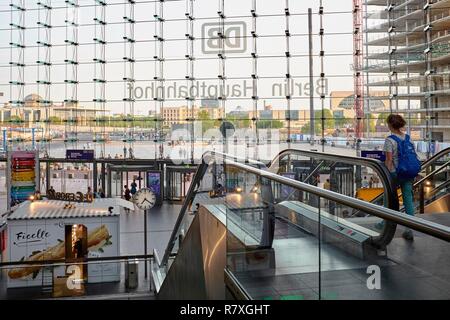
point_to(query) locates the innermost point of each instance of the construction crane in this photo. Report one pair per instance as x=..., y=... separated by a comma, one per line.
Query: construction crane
x=357, y=66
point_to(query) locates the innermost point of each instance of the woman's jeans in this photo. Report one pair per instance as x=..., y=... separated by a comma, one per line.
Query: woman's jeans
x=407, y=193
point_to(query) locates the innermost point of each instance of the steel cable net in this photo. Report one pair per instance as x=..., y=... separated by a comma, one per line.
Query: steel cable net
x=157, y=79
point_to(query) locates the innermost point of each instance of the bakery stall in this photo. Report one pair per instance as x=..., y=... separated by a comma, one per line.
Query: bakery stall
x=61, y=230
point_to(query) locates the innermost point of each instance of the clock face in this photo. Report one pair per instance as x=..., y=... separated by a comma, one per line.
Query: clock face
x=144, y=199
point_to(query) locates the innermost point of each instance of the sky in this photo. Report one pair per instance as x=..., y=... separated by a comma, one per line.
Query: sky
x=271, y=47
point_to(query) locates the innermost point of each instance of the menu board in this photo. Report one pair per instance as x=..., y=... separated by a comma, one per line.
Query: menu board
x=22, y=176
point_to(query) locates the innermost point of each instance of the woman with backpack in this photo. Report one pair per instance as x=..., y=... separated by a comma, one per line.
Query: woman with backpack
x=402, y=162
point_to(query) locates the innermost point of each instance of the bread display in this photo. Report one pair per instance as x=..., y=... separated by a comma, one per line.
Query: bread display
x=97, y=238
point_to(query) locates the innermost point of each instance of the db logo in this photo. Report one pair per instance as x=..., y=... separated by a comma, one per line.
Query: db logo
x=233, y=35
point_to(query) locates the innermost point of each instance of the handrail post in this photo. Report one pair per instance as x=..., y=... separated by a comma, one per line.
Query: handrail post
x=422, y=198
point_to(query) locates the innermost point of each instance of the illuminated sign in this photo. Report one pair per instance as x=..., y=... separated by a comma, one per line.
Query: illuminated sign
x=80, y=154
x=375, y=154
x=74, y=197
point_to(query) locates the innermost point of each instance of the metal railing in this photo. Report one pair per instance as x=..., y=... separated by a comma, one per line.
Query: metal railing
x=193, y=188
x=389, y=229
x=392, y=216
x=418, y=224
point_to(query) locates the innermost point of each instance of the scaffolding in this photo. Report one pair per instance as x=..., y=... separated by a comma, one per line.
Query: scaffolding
x=407, y=45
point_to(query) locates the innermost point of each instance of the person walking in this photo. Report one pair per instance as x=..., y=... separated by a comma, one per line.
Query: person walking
x=127, y=196
x=327, y=185
x=89, y=195
x=127, y=193
x=402, y=163
x=365, y=183
x=133, y=187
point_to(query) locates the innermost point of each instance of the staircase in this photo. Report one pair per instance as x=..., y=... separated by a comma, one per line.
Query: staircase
x=47, y=280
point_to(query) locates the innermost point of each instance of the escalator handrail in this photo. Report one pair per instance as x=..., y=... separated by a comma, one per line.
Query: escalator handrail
x=433, y=159
x=418, y=224
x=198, y=177
x=370, y=162
x=376, y=165
x=391, y=200
x=421, y=181
x=439, y=188
x=427, y=227
x=436, y=171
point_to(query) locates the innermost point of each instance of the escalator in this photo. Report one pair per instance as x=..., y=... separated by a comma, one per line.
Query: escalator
x=266, y=236
x=432, y=189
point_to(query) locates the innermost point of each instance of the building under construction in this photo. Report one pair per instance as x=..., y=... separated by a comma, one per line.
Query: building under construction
x=407, y=55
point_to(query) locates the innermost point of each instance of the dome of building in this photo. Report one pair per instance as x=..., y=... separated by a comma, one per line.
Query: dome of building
x=32, y=100
x=349, y=103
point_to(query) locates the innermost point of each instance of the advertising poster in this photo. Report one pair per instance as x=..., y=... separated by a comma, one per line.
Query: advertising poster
x=154, y=183
x=32, y=240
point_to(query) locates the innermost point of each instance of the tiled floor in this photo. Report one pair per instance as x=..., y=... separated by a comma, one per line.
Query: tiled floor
x=412, y=270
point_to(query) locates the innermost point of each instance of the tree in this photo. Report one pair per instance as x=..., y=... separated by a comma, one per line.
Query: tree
x=239, y=121
x=55, y=120
x=382, y=117
x=329, y=122
x=269, y=124
x=341, y=122
x=372, y=123
x=207, y=122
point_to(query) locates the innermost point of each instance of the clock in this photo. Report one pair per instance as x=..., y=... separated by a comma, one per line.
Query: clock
x=144, y=199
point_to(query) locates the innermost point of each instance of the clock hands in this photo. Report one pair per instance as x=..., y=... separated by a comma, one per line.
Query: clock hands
x=151, y=203
x=146, y=196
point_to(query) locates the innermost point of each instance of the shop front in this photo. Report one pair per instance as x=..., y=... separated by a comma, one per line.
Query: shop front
x=49, y=230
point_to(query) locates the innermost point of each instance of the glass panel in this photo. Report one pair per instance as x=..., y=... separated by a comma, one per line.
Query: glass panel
x=208, y=191
x=3, y=189
x=353, y=269
x=364, y=183
x=432, y=194
x=270, y=254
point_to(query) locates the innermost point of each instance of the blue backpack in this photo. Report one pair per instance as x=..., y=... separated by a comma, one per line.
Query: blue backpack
x=409, y=165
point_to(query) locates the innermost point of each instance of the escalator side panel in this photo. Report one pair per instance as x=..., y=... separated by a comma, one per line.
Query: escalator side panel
x=441, y=205
x=214, y=248
x=197, y=271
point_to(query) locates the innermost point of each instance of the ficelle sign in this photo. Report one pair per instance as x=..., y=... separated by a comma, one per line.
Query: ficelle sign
x=23, y=238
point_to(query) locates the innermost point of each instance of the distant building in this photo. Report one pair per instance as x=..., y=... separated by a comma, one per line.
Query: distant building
x=33, y=110
x=180, y=115
x=210, y=103
x=408, y=56
x=342, y=103
x=297, y=118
